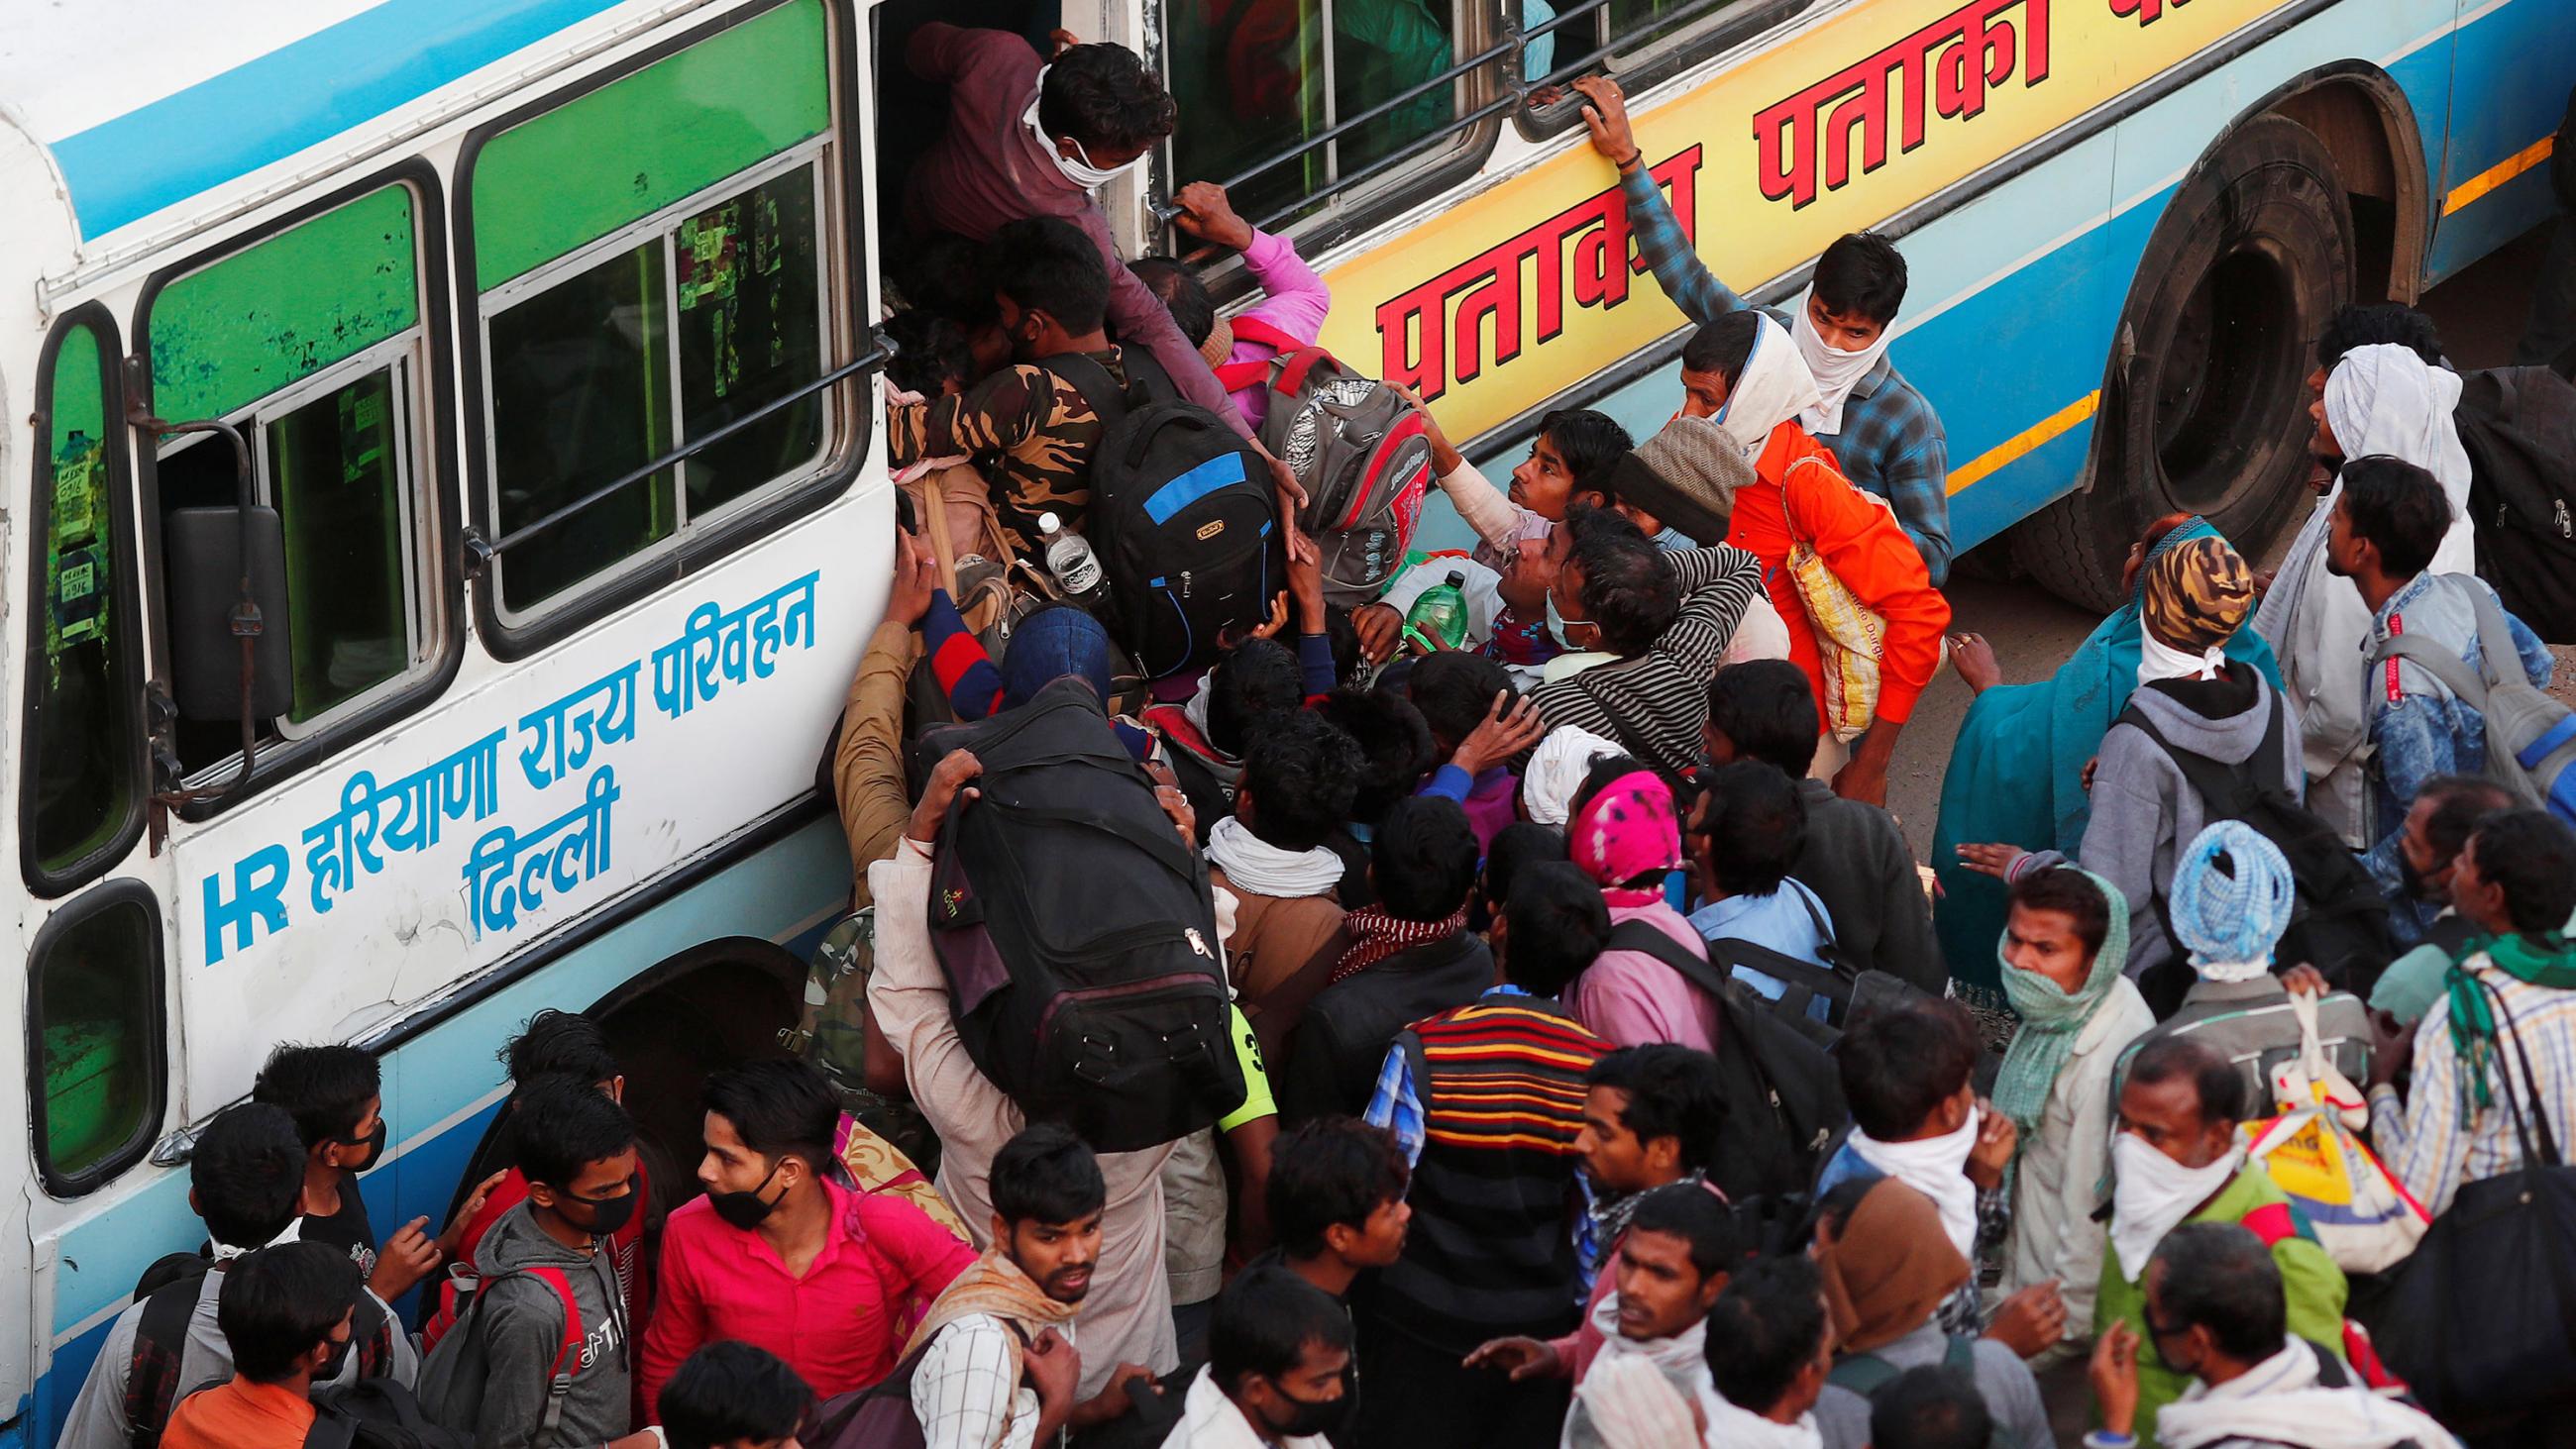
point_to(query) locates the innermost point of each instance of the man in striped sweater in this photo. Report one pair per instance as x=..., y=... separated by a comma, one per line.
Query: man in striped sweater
x=1488, y=1100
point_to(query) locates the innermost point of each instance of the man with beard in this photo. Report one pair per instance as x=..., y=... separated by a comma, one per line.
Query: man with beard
x=994, y=1362
x=2438, y=822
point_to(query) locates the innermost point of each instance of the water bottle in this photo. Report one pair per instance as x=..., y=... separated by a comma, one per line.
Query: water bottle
x=1438, y=619
x=1070, y=559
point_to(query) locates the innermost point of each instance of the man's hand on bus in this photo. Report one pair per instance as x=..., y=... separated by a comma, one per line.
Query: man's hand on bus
x=408, y=1256
x=465, y=1216
x=1606, y=117
x=916, y=577
x=1209, y=216
x=1445, y=457
x=946, y=782
x=1061, y=40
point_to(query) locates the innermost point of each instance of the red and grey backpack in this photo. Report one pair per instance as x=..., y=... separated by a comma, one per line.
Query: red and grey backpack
x=1359, y=450
x=448, y=1370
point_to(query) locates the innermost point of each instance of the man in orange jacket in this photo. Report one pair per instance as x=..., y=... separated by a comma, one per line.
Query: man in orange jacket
x=1744, y=385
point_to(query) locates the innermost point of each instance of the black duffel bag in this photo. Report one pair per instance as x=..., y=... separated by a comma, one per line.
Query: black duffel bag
x=2482, y=1324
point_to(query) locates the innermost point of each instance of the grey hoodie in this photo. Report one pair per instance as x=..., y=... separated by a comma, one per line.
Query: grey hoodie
x=2143, y=809
x=489, y=1375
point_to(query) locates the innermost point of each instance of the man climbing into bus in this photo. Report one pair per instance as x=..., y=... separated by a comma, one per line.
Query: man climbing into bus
x=1289, y=315
x=1885, y=435
x=1084, y=117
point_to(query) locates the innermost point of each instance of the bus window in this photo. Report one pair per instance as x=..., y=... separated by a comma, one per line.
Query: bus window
x=310, y=341
x=1259, y=81
x=652, y=267
x=82, y=748
x=94, y=1013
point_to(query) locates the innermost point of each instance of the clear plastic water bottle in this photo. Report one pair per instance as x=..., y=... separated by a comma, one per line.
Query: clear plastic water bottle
x=1438, y=619
x=1070, y=559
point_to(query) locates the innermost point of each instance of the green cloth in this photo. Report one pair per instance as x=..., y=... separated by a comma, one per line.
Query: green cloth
x=2016, y=771
x=2051, y=1020
x=2313, y=1285
x=2411, y=984
x=2547, y=960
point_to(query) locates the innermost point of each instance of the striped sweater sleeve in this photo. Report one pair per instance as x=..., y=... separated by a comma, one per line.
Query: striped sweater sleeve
x=957, y=658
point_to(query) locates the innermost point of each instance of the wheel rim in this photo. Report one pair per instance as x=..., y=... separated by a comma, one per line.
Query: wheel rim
x=2227, y=384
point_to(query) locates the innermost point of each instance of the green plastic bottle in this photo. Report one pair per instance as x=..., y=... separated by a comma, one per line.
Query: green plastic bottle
x=1438, y=619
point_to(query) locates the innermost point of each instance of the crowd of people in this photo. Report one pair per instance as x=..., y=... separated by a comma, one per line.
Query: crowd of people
x=1593, y=1066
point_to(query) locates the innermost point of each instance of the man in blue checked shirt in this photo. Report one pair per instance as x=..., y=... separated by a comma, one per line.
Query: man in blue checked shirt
x=1882, y=431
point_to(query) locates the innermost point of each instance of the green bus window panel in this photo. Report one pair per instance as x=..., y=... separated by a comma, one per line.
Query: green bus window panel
x=95, y=1035
x=581, y=393
x=336, y=470
x=750, y=333
x=83, y=735
x=285, y=308
x=603, y=160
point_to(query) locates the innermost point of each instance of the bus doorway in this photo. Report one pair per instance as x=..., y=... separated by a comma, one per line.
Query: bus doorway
x=912, y=113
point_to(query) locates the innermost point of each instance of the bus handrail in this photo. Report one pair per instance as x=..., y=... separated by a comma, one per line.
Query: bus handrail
x=485, y=549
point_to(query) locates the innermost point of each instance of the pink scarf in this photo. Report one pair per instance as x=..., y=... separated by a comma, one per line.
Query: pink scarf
x=1626, y=830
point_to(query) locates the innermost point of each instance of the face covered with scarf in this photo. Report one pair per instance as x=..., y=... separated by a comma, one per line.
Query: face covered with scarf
x=1774, y=387
x=2053, y=984
x=2384, y=399
x=2194, y=597
x=2168, y=1157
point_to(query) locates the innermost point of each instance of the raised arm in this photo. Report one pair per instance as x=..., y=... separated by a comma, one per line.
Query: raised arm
x=1660, y=238
x=1718, y=584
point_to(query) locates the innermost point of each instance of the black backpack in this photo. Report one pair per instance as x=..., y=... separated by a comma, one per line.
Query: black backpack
x=1783, y=1093
x=1183, y=519
x=2338, y=919
x=375, y=1414
x=1105, y=1008
x=2519, y=427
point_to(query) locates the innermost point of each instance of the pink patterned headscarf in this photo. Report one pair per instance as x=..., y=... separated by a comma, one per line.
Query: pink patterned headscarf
x=1626, y=830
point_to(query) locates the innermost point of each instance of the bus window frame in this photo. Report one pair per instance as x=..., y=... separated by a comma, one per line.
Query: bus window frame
x=659, y=226
x=105, y=897
x=435, y=469
x=124, y=603
x=1695, y=42
x=400, y=355
x=849, y=342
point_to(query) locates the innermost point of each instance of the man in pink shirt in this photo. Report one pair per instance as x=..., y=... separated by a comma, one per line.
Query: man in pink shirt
x=1622, y=830
x=1290, y=314
x=781, y=1252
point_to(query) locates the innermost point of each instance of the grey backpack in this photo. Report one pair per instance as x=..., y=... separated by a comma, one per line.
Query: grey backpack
x=1359, y=450
x=2531, y=738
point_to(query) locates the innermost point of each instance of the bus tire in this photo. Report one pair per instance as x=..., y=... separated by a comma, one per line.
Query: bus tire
x=2204, y=400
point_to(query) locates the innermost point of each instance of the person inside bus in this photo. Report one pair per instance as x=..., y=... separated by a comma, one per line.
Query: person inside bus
x=335, y=1094
x=1748, y=389
x=1031, y=427
x=243, y=1180
x=1290, y=313
x=1092, y=112
x=782, y=1251
x=1885, y=435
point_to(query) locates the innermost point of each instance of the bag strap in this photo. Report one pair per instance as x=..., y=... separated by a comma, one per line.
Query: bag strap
x=567, y=1359
x=2528, y=1117
x=1644, y=939
x=934, y=519
x=1862, y=1373
x=2469, y=685
x=1826, y=945
x=1632, y=736
x=1260, y=333
x=1109, y=402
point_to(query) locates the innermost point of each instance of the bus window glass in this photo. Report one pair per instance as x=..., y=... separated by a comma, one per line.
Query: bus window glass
x=1254, y=82
x=80, y=772
x=581, y=395
x=96, y=994
x=749, y=334
x=335, y=471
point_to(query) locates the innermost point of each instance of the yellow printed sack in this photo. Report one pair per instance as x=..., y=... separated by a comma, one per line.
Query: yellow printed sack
x=1850, y=636
x=2363, y=1216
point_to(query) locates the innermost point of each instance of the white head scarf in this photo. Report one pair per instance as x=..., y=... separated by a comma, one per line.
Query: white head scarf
x=2160, y=660
x=1556, y=771
x=1776, y=386
x=1836, y=371
x=2384, y=399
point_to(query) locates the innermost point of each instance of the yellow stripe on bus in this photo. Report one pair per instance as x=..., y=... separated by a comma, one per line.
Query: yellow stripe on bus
x=2027, y=441
x=2498, y=174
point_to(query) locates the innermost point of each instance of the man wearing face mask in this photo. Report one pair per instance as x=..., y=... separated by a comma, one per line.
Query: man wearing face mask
x=783, y=1252
x=2176, y=1159
x=1029, y=139
x=1882, y=432
x=493, y=1374
x=1278, y=1370
x=337, y=1099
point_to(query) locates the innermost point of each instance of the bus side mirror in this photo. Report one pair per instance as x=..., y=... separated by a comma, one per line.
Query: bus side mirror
x=207, y=573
